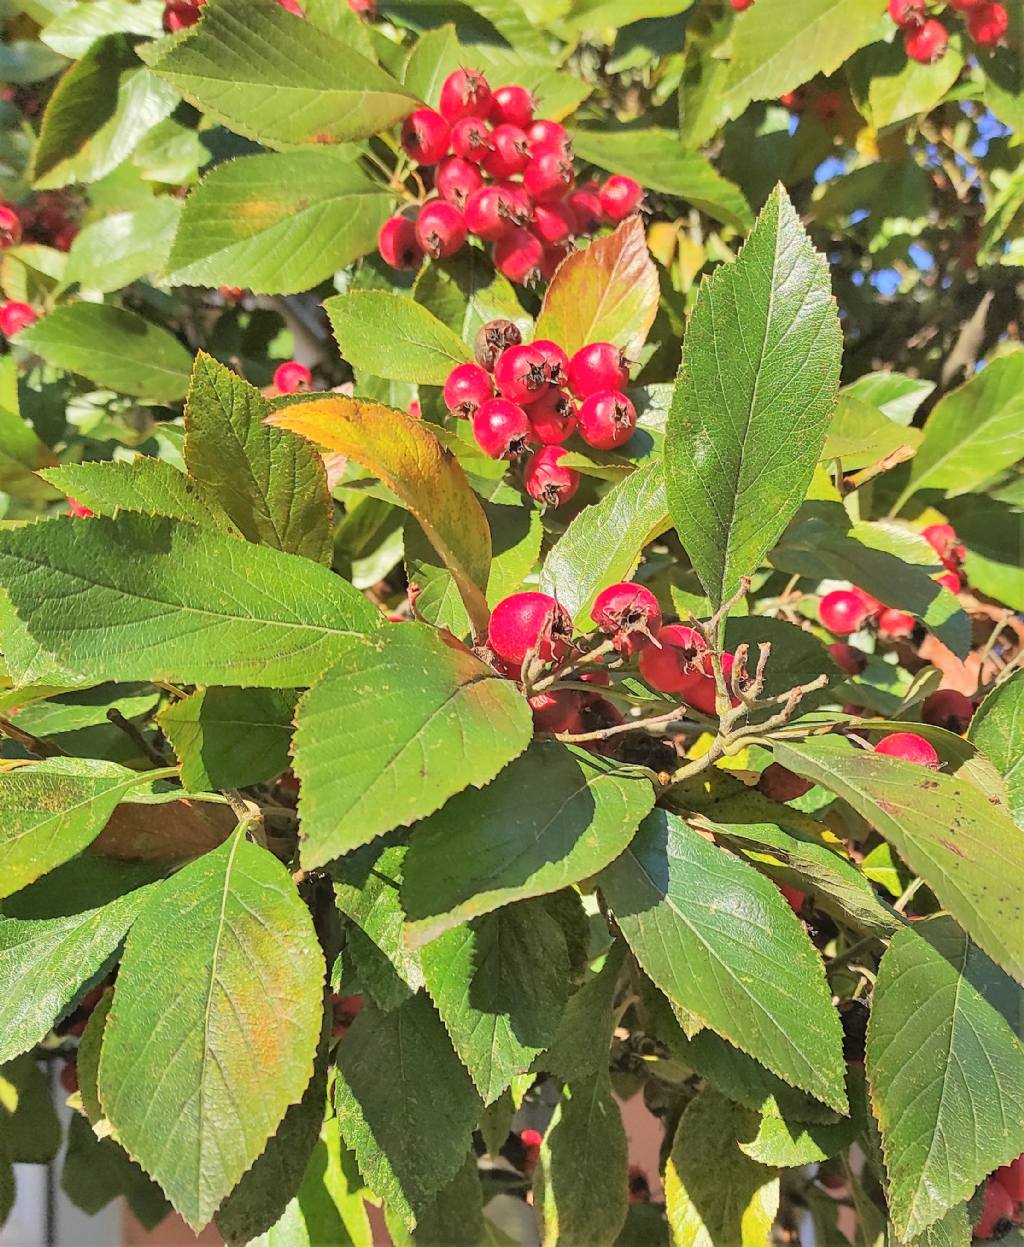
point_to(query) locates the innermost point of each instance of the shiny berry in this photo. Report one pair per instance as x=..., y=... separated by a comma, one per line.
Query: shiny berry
x=599, y=366
x=987, y=24
x=950, y=581
x=547, y=481
x=675, y=655
x=780, y=784
x=997, y=1212
x=607, y=420
x=907, y=13
x=425, y=136
x=548, y=135
x=512, y=106
x=871, y=604
x=557, y=710
x=10, y=227
x=549, y=175
x=848, y=657
x=465, y=93
x=492, y=339
x=586, y=208
x=910, y=747
x=292, y=377
x=556, y=362
x=943, y=540
x=521, y=374
x=490, y=213
x=398, y=245
x=740, y=6
x=895, y=625
x=629, y=613
x=15, y=316
x=529, y=621
x=509, y=152
x=552, y=417
x=471, y=139
x=926, y=43
x=699, y=689
x=949, y=709
x=519, y=256
x=456, y=179
x=440, y=228
x=620, y=197
x=501, y=428
x=466, y=388
x=842, y=611
x=554, y=224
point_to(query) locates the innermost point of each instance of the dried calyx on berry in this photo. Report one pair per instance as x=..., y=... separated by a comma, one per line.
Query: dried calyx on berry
x=492, y=339
x=629, y=614
x=529, y=624
x=547, y=481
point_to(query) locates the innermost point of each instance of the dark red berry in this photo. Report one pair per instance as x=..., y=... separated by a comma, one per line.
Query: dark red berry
x=501, y=428
x=456, y=179
x=552, y=417
x=512, y=106
x=398, y=245
x=599, y=366
x=629, y=613
x=10, y=227
x=471, y=139
x=779, y=784
x=425, y=136
x=547, y=481
x=842, y=611
x=997, y=1212
x=554, y=224
x=492, y=339
x=521, y=374
x=620, y=197
x=529, y=621
x=466, y=388
x=675, y=655
x=465, y=93
x=607, y=420
x=549, y=176
x=440, y=228
x=926, y=43
x=292, y=377
x=519, y=256
x=848, y=658
x=586, y=207
x=910, y=747
x=558, y=710
x=949, y=709
x=509, y=152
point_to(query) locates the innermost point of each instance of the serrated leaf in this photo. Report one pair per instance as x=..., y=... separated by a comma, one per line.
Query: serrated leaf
x=950, y=1110
x=126, y=598
x=98, y=1171
x=607, y=293
x=415, y=720
x=453, y=1216
x=888, y=86
x=753, y=399
x=277, y=223
x=221, y=982
x=30, y=1130
x=860, y=434
x=720, y=941
x=405, y=1103
x=465, y=291
x=947, y=831
x=786, y=1143
x=391, y=336
x=580, y=1046
x=113, y=348
x=267, y=74
x=997, y=730
x=78, y=26
x=119, y=249
x=555, y=816
x=500, y=984
x=271, y=483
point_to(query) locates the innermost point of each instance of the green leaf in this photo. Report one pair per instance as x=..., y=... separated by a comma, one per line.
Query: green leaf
x=22, y=453
x=80, y=25
x=604, y=542
x=267, y=74
x=753, y=399
x=714, y=1194
x=99, y=111
x=452, y=1217
x=580, y=1191
x=950, y=1110
x=888, y=86
x=405, y=1103
x=416, y=720
x=786, y=1143
x=895, y=394
x=87, y=1060
x=51, y=810
x=392, y=337
x=797, y=657
x=997, y=730
x=30, y=1130
x=465, y=292
x=113, y=348
x=659, y=160
x=230, y=737
x=220, y=984
x=580, y=1046
x=860, y=434
x=121, y=248
x=278, y=223
x=500, y=984
x=555, y=816
x=720, y=940
x=126, y=598
x=24, y=61
x=271, y=483
x=947, y=831
x=97, y=1171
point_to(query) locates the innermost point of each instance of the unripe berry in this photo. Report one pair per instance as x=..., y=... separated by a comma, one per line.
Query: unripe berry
x=896, y=625
x=509, y=152
x=456, y=179
x=529, y=621
x=675, y=656
x=950, y=581
x=629, y=613
x=490, y=213
x=521, y=374
x=519, y=256
x=292, y=377
x=553, y=417
x=466, y=387
x=910, y=747
x=842, y=611
x=620, y=197
x=556, y=362
x=546, y=481
x=10, y=227
x=398, y=245
x=554, y=224
x=440, y=228
x=926, y=43
x=512, y=106
x=471, y=139
x=465, y=93
x=987, y=24
x=15, y=316
x=549, y=175
x=586, y=208
x=492, y=339
x=996, y=1213
x=607, y=420
x=558, y=710
x=599, y=366
x=548, y=135
x=501, y=429
x=425, y=136
x=780, y=784
x=949, y=709
x=848, y=658
x=907, y=13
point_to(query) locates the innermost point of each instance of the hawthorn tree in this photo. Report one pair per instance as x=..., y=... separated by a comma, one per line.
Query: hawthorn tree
x=512, y=599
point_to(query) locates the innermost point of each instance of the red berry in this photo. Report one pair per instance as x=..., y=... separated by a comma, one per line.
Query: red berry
x=996, y=1213
x=493, y=338
x=292, y=377
x=827, y=105
x=69, y=1076
x=620, y=197
x=907, y=13
x=344, y=1011
x=556, y=362
x=599, y=366
x=895, y=625
x=466, y=388
x=558, y=710
x=10, y=227
x=14, y=317
x=180, y=14
x=365, y=8
x=491, y=212
x=987, y=24
x=501, y=428
x=553, y=417
x=465, y=93
x=965, y=6
x=910, y=747
x=1011, y=1178
x=521, y=374
x=512, y=106
x=793, y=100
x=943, y=540
x=842, y=611
x=471, y=139
x=519, y=256
x=549, y=175
x=440, y=228
x=699, y=689
x=546, y=481
x=607, y=420
x=398, y=245
x=741, y=5
x=529, y=621
x=554, y=224
x=456, y=179
x=552, y=258
x=794, y=897
x=509, y=152
x=548, y=135
x=79, y=510
x=629, y=613
x=425, y=136
x=586, y=208
x=950, y=581
x=292, y=6
x=949, y=709
x=848, y=657
x=926, y=43
x=872, y=605
x=780, y=784
x=675, y=656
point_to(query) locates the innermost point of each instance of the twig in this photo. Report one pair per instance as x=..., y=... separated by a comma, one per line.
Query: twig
x=132, y=732
x=637, y=725
x=38, y=745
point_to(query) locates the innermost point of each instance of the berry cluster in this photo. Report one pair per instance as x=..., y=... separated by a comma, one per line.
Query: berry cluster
x=520, y=395
x=47, y=218
x=500, y=176
x=180, y=14
x=925, y=38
